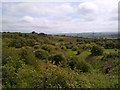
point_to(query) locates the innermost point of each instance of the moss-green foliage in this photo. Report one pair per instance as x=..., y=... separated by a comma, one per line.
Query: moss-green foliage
x=44, y=61
x=18, y=43
x=72, y=62
x=37, y=46
x=99, y=80
x=97, y=50
x=71, y=52
x=113, y=55
x=46, y=47
x=57, y=58
x=83, y=66
x=75, y=48
x=26, y=54
x=79, y=51
x=41, y=54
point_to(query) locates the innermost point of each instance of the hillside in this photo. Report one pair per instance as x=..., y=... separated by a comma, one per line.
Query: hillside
x=38, y=60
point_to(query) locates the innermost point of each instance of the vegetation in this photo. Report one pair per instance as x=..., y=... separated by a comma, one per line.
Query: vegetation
x=96, y=51
x=32, y=60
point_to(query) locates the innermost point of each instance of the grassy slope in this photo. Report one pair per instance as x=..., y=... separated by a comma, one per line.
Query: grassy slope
x=97, y=79
x=71, y=52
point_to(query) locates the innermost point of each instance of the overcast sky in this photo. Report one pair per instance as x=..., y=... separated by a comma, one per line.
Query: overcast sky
x=61, y=17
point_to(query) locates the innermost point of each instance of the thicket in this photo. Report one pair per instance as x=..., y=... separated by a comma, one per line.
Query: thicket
x=44, y=61
x=97, y=50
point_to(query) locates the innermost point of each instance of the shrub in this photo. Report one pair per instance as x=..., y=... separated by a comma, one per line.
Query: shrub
x=61, y=40
x=83, y=66
x=109, y=45
x=36, y=46
x=69, y=46
x=20, y=42
x=72, y=62
x=9, y=52
x=96, y=50
x=79, y=52
x=106, y=57
x=75, y=48
x=47, y=47
x=26, y=54
x=63, y=47
x=41, y=54
x=57, y=59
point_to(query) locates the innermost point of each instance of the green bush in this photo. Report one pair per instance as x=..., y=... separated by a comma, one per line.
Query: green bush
x=61, y=40
x=41, y=54
x=74, y=48
x=72, y=62
x=113, y=56
x=20, y=42
x=109, y=45
x=97, y=50
x=36, y=46
x=83, y=66
x=47, y=47
x=9, y=52
x=79, y=52
x=63, y=47
x=57, y=58
x=27, y=55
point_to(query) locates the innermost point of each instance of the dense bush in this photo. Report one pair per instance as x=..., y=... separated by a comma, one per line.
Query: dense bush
x=109, y=45
x=42, y=61
x=20, y=42
x=110, y=56
x=27, y=55
x=57, y=58
x=79, y=51
x=83, y=66
x=9, y=52
x=97, y=50
x=47, y=47
x=69, y=46
x=36, y=46
x=41, y=54
x=72, y=62
x=74, y=48
x=63, y=47
x=61, y=40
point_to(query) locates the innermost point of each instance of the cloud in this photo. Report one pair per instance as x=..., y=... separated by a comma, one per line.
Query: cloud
x=87, y=8
x=86, y=16
x=27, y=19
x=39, y=8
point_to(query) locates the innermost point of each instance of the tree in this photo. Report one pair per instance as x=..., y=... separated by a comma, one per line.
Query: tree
x=42, y=34
x=97, y=50
x=33, y=32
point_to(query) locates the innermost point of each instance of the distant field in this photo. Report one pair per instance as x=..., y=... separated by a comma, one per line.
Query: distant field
x=108, y=35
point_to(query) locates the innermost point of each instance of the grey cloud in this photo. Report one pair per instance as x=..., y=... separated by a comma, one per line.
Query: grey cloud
x=87, y=8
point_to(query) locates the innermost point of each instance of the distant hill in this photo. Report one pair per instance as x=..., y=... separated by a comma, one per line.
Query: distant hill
x=98, y=34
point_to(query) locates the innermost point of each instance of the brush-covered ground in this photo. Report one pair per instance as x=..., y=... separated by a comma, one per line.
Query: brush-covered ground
x=31, y=60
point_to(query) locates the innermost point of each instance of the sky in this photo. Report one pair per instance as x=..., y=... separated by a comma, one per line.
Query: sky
x=60, y=17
